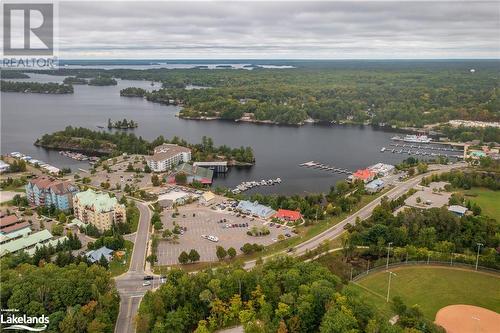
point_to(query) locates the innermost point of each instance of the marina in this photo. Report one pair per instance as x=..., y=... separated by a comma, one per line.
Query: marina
x=30, y=160
x=324, y=167
x=420, y=153
x=245, y=186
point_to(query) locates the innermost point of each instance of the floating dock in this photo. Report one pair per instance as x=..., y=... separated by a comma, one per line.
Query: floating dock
x=324, y=167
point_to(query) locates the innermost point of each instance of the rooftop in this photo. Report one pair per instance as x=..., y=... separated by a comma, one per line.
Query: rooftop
x=8, y=220
x=457, y=209
x=95, y=255
x=56, y=185
x=14, y=227
x=101, y=202
x=166, y=151
x=255, y=208
x=22, y=243
x=198, y=172
x=288, y=214
x=363, y=174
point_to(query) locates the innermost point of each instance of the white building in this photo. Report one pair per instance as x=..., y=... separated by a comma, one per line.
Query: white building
x=167, y=156
x=4, y=166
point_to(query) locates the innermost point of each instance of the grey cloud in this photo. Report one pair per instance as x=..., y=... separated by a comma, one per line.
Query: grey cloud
x=349, y=29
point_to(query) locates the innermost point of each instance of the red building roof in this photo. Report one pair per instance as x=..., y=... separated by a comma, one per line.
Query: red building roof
x=364, y=174
x=5, y=221
x=290, y=215
x=15, y=227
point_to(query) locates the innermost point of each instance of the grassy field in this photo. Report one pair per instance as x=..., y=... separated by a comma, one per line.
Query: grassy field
x=486, y=199
x=432, y=288
x=117, y=267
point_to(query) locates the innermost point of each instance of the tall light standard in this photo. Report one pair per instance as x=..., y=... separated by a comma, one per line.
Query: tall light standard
x=477, y=257
x=388, y=251
x=389, y=285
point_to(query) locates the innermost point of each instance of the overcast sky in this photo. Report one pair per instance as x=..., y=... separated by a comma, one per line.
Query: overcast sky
x=314, y=30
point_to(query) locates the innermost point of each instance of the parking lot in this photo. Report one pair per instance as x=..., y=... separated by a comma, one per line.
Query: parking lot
x=206, y=222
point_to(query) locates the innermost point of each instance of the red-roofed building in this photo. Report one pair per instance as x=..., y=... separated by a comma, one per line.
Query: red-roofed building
x=366, y=175
x=288, y=215
x=8, y=220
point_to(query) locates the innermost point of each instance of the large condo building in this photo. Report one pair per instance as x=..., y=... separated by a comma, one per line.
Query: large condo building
x=47, y=191
x=98, y=209
x=168, y=155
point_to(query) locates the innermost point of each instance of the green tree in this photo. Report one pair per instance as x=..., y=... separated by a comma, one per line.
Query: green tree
x=194, y=255
x=183, y=258
x=231, y=252
x=221, y=252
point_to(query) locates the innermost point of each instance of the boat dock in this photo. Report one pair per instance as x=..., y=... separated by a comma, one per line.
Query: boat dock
x=251, y=184
x=400, y=150
x=324, y=167
x=424, y=147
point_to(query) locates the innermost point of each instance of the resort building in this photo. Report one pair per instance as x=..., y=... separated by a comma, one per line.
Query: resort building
x=193, y=173
x=98, y=209
x=47, y=191
x=366, y=175
x=167, y=156
x=255, y=209
x=288, y=215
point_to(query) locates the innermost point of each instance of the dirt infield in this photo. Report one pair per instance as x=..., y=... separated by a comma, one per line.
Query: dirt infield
x=468, y=319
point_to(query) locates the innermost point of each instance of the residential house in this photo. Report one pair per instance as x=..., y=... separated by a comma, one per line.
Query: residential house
x=95, y=255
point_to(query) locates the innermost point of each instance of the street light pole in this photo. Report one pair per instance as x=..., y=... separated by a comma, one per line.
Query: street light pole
x=477, y=257
x=388, y=251
x=389, y=285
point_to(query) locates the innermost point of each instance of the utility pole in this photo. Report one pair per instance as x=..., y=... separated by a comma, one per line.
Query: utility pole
x=451, y=259
x=477, y=257
x=389, y=285
x=388, y=251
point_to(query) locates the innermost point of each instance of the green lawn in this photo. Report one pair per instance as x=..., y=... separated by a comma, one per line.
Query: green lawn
x=117, y=267
x=486, y=199
x=433, y=288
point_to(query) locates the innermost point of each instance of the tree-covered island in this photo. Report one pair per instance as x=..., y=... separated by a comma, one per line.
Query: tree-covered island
x=75, y=80
x=36, y=87
x=116, y=143
x=133, y=92
x=102, y=81
x=122, y=124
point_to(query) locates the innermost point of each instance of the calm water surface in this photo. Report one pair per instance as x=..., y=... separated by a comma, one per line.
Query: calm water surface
x=278, y=149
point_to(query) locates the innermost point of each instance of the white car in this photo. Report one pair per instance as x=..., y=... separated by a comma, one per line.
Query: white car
x=146, y=283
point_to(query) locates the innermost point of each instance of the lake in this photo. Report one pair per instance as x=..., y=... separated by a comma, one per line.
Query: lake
x=278, y=149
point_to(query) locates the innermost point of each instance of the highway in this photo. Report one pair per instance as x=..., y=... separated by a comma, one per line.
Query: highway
x=129, y=285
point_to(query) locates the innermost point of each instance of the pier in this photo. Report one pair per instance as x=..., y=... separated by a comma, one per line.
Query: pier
x=324, y=167
x=251, y=184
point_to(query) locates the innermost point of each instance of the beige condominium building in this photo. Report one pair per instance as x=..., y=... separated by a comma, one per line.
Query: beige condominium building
x=167, y=156
x=98, y=209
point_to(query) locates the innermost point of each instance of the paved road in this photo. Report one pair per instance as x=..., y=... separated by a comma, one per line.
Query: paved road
x=363, y=213
x=129, y=285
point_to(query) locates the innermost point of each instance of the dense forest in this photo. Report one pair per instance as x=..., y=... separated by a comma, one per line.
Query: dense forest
x=108, y=143
x=283, y=295
x=402, y=93
x=464, y=134
x=36, y=87
x=77, y=298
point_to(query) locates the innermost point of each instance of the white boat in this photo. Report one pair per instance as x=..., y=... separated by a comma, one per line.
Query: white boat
x=383, y=149
x=417, y=139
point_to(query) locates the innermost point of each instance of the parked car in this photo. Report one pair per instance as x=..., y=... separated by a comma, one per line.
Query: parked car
x=146, y=283
x=148, y=277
